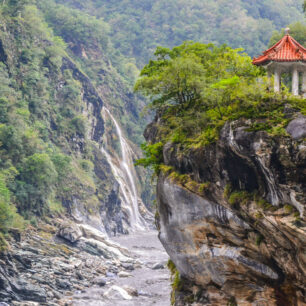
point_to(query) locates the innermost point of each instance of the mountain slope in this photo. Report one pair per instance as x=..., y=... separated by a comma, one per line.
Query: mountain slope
x=52, y=126
x=138, y=27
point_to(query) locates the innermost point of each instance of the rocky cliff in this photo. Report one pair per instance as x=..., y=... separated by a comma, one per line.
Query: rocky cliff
x=231, y=215
x=54, y=94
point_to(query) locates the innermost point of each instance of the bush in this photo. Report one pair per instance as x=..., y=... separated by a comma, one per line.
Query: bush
x=153, y=156
x=78, y=125
x=239, y=197
x=8, y=215
x=37, y=181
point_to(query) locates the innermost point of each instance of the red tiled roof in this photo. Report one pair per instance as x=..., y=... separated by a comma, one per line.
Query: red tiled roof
x=286, y=50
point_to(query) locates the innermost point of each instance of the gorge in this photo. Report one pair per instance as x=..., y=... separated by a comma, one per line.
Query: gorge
x=217, y=214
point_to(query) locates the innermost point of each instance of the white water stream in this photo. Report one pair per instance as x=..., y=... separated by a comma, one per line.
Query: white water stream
x=124, y=172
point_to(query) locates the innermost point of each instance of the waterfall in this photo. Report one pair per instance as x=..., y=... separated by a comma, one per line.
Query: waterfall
x=124, y=172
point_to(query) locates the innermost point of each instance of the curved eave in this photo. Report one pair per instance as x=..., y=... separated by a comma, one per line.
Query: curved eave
x=267, y=61
x=286, y=50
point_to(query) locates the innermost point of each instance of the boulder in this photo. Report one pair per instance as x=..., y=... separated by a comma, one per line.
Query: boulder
x=297, y=128
x=70, y=232
x=131, y=290
x=63, y=284
x=127, y=266
x=90, y=232
x=100, y=281
x=117, y=293
x=23, y=304
x=99, y=248
x=158, y=266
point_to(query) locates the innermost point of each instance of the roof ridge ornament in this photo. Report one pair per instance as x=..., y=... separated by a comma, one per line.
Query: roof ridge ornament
x=287, y=31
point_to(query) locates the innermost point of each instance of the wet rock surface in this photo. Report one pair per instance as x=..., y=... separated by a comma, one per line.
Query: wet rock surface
x=45, y=269
x=144, y=286
x=240, y=240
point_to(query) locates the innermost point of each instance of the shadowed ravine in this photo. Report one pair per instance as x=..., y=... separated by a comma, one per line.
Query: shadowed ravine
x=152, y=285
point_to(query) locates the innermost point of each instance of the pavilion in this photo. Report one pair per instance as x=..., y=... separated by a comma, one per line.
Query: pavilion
x=285, y=56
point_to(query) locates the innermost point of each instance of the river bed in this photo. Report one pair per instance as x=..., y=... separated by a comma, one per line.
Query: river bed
x=152, y=285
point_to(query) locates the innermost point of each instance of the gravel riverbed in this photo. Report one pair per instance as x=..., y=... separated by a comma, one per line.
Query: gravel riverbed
x=147, y=281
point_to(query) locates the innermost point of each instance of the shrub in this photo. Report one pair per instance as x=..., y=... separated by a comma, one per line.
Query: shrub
x=239, y=197
x=37, y=181
x=153, y=156
x=8, y=215
x=78, y=125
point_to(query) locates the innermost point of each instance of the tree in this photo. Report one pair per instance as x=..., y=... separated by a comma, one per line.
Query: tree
x=37, y=181
x=194, y=74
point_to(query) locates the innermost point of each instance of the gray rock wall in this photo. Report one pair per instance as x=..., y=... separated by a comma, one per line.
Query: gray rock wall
x=247, y=251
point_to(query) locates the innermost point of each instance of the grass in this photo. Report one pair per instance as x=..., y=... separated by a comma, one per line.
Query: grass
x=239, y=197
x=259, y=239
x=3, y=243
x=176, y=280
x=184, y=180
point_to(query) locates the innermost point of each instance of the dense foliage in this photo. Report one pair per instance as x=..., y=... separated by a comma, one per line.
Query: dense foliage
x=49, y=54
x=195, y=88
x=138, y=26
x=37, y=118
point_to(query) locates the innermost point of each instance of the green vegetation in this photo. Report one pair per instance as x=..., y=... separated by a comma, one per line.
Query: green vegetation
x=259, y=239
x=90, y=44
x=232, y=302
x=46, y=158
x=40, y=113
x=176, y=280
x=239, y=197
x=139, y=26
x=196, y=88
x=297, y=31
x=153, y=155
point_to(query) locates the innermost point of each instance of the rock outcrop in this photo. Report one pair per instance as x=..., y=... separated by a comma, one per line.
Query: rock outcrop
x=236, y=230
x=49, y=264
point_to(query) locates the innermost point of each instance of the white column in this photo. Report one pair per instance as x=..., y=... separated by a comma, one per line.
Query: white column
x=277, y=76
x=295, y=81
x=269, y=79
x=304, y=84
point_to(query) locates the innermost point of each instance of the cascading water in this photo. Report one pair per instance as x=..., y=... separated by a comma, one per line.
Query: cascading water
x=123, y=170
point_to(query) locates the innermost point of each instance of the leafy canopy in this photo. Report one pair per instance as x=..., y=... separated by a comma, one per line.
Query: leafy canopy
x=197, y=74
x=196, y=88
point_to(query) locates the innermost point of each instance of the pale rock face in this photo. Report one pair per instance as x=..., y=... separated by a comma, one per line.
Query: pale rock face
x=97, y=242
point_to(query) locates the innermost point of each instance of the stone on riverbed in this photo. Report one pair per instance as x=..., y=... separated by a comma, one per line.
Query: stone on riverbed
x=21, y=304
x=158, y=266
x=100, y=281
x=117, y=293
x=127, y=266
x=124, y=274
x=130, y=290
x=99, y=248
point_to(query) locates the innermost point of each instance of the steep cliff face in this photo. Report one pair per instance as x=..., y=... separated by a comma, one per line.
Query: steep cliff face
x=53, y=112
x=231, y=216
